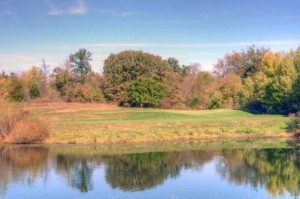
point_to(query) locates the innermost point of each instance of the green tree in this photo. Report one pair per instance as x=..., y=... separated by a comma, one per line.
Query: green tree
x=34, y=91
x=80, y=63
x=173, y=64
x=16, y=89
x=146, y=93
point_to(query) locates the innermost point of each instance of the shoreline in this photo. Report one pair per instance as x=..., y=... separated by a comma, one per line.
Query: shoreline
x=172, y=140
x=204, y=139
x=121, y=149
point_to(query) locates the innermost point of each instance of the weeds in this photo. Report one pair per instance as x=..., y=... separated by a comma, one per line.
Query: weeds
x=19, y=126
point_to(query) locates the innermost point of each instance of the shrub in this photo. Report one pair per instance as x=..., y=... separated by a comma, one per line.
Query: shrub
x=34, y=91
x=18, y=126
x=16, y=90
x=28, y=131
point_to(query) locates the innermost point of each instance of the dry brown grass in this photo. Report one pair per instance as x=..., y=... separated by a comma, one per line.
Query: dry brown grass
x=18, y=126
x=70, y=107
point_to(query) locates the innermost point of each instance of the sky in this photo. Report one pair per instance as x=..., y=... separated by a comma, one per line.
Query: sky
x=193, y=31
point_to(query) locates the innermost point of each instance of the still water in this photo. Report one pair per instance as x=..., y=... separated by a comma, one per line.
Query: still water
x=167, y=172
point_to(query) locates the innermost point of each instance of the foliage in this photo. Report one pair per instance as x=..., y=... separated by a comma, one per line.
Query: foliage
x=269, y=80
x=122, y=69
x=83, y=93
x=34, y=83
x=16, y=90
x=34, y=91
x=256, y=79
x=61, y=78
x=80, y=65
x=146, y=93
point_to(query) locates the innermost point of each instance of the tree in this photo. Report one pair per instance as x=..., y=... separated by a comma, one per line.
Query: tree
x=80, y=63
x=34, y=91
x=146, y=93
x=281, y=72
x=33, y=82
x=201, y=90
x=16, y=89
x=173, y=64
x=62, y=77
x=244, y=63
x=122, y=69
x=227, y=92
x=46, y=71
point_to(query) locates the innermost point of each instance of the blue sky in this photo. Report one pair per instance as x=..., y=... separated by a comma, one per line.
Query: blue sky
x=191, y=30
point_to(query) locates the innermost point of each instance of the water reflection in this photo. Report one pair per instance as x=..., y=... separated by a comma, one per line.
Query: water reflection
x=21, y=164
x=276, y=170
x=78, y=171
x=144, y=171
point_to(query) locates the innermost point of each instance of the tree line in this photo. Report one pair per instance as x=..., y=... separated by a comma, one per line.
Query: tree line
x=256, y=79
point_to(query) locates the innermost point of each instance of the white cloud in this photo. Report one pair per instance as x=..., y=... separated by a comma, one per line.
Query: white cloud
x=116, y=13
x=18, y=62
x=119, y=45
x=56, y=12
x=79, y=8
x=210, y=45
x=25, y=58
x=125, y=14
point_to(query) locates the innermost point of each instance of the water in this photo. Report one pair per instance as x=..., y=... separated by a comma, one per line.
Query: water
x=167, y=172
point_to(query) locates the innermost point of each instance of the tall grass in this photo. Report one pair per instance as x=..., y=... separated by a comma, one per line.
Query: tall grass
x=19, y=126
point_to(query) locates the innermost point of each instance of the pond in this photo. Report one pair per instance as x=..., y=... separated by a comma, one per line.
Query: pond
x=168, y=171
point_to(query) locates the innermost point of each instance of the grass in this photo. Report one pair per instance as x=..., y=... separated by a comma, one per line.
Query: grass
x=100, y=124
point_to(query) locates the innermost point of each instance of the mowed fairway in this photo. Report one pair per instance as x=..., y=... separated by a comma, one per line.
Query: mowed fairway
x=107, y=124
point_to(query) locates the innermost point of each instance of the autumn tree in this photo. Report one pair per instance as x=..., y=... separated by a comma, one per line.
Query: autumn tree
x=123, y=69
x=33, y=82
x=244, y=63
x=62, y=77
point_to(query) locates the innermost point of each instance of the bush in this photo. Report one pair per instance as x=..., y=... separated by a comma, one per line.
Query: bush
x=34, y=91
x=18, y=126
x=146, y=93
x=16, y=90
x=28, y=131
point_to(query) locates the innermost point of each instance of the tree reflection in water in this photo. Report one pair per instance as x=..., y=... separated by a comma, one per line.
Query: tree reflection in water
x=78, y=170
x=21, y=164
x=276, y=170
x=144, y=171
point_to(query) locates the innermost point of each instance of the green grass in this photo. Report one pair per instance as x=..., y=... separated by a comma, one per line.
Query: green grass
x=132, y=125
